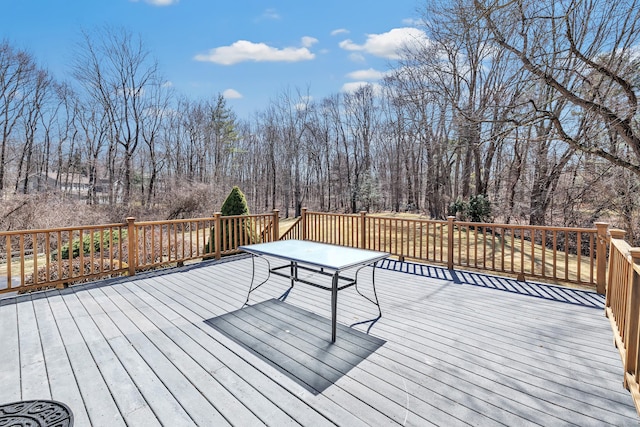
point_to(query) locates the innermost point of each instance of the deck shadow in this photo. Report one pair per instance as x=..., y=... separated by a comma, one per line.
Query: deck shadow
x=555, y=293
x=296, y=342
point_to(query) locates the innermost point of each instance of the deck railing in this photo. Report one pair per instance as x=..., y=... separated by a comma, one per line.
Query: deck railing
x=35, y=259
x=56, y=257
x=559, y=254
x=623, y=308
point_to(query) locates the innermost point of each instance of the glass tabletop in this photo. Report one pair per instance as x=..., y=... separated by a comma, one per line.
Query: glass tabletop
x=317, y=254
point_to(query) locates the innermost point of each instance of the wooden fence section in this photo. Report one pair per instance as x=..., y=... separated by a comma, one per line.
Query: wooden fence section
x=623, y=308
x=42, y=257
x=177, y=241
x=560, y=254
x=36, y=259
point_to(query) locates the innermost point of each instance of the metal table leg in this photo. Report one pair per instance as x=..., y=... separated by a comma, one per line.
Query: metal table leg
x=334, y=305
x=373, y=283
x=253, y=276
x=294, y=272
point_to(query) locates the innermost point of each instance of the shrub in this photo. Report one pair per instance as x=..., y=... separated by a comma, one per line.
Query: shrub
x=87, y=241
x=235, y=204
x=476, y=209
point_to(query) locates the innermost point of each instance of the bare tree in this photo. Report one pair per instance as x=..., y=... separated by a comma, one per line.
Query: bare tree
x=156, y=110
x=584, y=51
x=35, y=94
x=17, y=71
x=362, y=118
x=117, y=71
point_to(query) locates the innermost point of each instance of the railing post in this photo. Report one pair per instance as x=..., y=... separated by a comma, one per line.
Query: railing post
x=450, y=220
x=601, y=257
x=633, y=316
x=132, y=240
x=217, y=241
x=303, y=223
x=276, y=225
x=363, y=230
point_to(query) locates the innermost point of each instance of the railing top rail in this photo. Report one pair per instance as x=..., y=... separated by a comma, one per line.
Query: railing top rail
x=531, y=227
x=393, y=218
x=465, y=223
x=54, y=230
x=188, y=220
x=332, y=214
x=377, y=216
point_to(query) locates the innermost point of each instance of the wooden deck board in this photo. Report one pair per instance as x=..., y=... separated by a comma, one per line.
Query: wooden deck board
x=59, y=368
x=175, y=348
x=107, y=352
x=98, y=400
x=10, y=355
x=262, y=378
x=209, y=374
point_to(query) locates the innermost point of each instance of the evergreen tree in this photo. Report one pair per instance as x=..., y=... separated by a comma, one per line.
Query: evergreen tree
x=235, y=204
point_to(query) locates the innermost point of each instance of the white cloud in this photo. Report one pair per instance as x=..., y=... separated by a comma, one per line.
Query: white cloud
x=168, y=83
x=309, y=41
x=387, y=45
x=366, y=75
x=269, y=14
x=339, y=31
x=231, y=94
x=354, y=86
x=244, y=50
x=413, y=22
x=357, y=57
x=159, y=2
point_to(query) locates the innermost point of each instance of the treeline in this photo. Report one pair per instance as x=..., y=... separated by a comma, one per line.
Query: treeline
x=530, y=105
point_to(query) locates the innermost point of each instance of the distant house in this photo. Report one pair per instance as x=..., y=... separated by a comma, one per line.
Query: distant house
x=77, y=185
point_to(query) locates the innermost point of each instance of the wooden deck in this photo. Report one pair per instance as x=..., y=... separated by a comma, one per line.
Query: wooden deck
x=174, y=348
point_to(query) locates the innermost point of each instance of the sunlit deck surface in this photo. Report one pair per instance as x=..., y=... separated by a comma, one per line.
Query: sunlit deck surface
x=175, y=348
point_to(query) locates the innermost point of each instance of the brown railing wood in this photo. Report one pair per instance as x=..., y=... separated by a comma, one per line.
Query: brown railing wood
x=557, y=254
x=33, y=259
x=575, y=255
x=177, y=241
x=622, y=307
x=294, y=232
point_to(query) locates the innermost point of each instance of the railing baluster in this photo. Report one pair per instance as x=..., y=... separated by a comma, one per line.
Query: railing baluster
x=47, y=255
x=175, y=240
x=544, y=253
x=532, y=236
x=579, y=256
x=9, y=263
x=34, y=250
x=566, y=256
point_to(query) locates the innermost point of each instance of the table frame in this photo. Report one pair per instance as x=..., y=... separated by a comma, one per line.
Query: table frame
x=332, y=270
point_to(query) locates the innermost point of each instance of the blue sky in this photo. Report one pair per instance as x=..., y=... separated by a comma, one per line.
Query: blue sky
x=251, y=51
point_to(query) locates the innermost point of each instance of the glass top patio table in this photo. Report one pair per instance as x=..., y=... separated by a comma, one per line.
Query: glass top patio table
x=317, y=257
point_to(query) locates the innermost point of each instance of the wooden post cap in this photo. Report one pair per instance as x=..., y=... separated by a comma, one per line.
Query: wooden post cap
x=635, y=254
x=617, y=234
